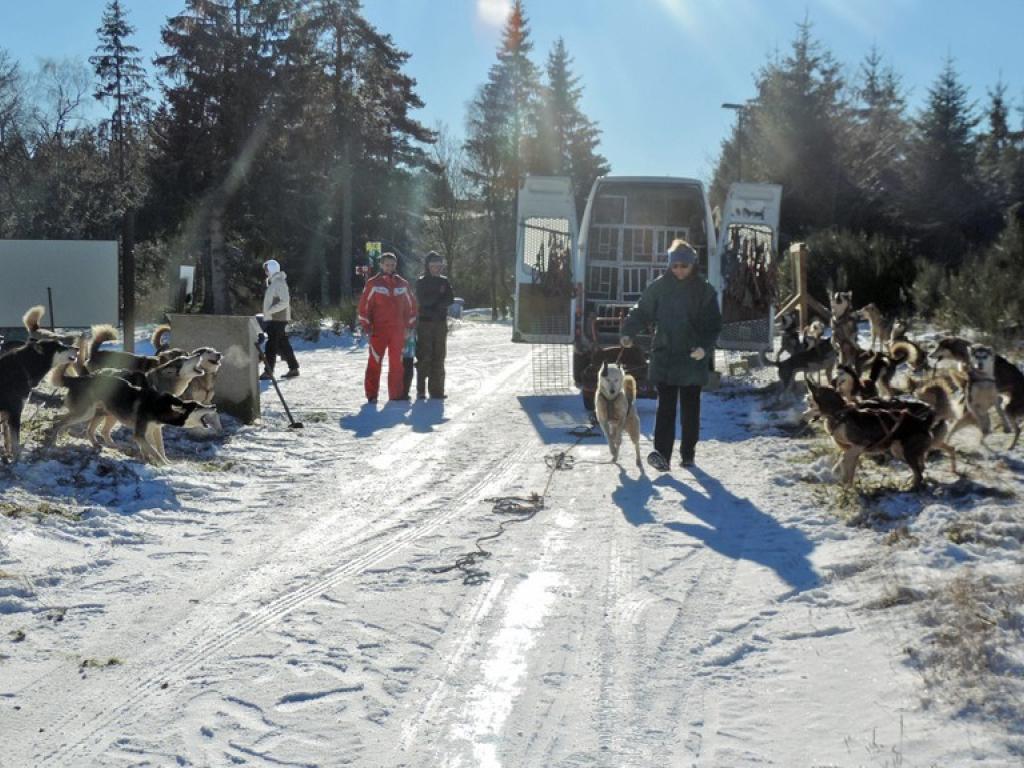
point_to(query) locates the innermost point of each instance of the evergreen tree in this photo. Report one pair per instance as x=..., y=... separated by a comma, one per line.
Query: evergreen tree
x=568, y=138
x=369, y=139
x=943, y=197
x=794, y=134
x=998, y=153
x=875, y=149
x=213, y=131
x=502, y=125
x=122, y=82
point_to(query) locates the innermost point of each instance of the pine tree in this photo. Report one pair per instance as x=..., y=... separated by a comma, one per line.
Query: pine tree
x=944, y=201
x=876, y=147
x=502, y=126
x=568, y=138
x=792, y=135
x=122, y=82
x=996, y=150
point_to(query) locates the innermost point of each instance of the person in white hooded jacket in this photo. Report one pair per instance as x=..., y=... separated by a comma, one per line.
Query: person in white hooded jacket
x=276, y=314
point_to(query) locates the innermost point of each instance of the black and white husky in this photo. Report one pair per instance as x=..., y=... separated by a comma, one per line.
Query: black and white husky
x=615, y=407
x=100, y=396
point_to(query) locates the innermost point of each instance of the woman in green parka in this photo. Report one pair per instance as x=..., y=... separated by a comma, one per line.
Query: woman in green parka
x=683, y=307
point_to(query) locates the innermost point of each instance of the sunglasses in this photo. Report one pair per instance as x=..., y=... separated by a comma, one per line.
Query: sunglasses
x=680, y=265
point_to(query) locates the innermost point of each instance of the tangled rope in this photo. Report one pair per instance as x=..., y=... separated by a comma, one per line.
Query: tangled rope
x=513, y=509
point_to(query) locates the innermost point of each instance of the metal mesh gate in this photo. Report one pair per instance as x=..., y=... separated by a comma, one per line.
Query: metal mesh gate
x=552, y=367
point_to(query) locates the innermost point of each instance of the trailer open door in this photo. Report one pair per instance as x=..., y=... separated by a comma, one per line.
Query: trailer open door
x=546, y=237
x=748, y=265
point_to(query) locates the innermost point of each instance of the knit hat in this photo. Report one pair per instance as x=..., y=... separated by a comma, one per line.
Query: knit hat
x=434, y=256
x=681, y=251
x=272, y=266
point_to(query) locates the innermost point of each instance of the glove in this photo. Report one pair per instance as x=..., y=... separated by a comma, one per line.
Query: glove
x=698, y=353
x=625, y=342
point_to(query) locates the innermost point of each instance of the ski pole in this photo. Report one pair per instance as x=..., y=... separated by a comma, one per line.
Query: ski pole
x=292, y=423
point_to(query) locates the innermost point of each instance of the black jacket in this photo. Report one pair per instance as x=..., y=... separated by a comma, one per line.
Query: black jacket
x=434, y=295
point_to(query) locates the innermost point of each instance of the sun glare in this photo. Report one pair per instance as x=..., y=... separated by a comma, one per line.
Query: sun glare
x=493, y=12
x=681, y=11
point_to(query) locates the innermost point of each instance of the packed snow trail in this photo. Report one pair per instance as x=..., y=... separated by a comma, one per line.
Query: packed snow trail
x=277, y=604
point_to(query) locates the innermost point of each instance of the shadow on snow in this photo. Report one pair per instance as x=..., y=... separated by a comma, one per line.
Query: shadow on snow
x=732, y=526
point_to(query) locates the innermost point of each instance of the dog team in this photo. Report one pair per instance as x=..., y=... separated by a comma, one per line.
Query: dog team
x=107, y=387
x=865, y=412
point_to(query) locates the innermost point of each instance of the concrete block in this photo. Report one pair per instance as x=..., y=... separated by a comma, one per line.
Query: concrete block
x=238, y=389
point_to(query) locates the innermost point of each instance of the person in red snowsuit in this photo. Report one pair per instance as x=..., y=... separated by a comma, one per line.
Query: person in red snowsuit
x=387, y=308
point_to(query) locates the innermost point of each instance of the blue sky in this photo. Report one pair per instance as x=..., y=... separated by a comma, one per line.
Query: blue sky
x=655, y=72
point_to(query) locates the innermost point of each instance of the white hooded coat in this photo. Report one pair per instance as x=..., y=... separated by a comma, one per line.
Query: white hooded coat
x=276, y=299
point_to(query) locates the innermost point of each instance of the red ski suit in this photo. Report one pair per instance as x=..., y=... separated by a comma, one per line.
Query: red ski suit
x=387, y=309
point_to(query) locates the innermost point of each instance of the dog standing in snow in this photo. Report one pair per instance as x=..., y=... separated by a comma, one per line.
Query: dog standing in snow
x=615, y=407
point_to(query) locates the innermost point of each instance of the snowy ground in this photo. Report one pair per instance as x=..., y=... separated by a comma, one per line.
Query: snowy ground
x=278, y=597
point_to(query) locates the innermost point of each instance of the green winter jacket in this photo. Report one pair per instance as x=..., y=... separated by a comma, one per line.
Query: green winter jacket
x=686, y=316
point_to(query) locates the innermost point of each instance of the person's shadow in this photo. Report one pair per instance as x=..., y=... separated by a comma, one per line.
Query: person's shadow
x=426, y=415
x=732, y=526
x=373, y=417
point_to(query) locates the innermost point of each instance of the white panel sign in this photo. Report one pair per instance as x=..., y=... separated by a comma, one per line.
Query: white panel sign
x=81, y=276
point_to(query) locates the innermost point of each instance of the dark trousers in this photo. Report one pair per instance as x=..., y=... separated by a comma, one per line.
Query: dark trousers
x=408, y=368
x=688, y=399
x=431, y=350
x=278, y=344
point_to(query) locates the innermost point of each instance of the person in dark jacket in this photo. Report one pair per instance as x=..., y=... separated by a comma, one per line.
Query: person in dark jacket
x=434, y=296
x=683, y=307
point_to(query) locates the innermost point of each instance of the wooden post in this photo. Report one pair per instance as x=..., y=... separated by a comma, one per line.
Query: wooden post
x=802, y=301
x=799, y=251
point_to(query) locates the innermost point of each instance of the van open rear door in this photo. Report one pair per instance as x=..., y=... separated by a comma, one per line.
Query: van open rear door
x=546, y=236
x=748, y=261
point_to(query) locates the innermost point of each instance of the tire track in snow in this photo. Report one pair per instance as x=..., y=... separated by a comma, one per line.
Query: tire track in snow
x=473, y=478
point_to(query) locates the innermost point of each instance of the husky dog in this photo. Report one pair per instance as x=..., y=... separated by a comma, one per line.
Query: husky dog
x=615, y=408
x=844, y=326
x=907, y=430
x=852, y=387
x=93, y=358
x=202, y=387
x=20, y=371
x=142, y=409
x=902, y=350
x=1008, y=377
x=817, y=358
x=980, y=393
x=791, y=343
x=879, y=329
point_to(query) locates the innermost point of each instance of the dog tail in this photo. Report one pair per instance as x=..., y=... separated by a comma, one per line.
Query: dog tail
x=58, y=372
x=629, y=387
x=33, y=317
x=159, y=337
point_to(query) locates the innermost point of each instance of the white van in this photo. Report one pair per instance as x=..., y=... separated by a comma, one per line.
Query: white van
x=577, y=286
